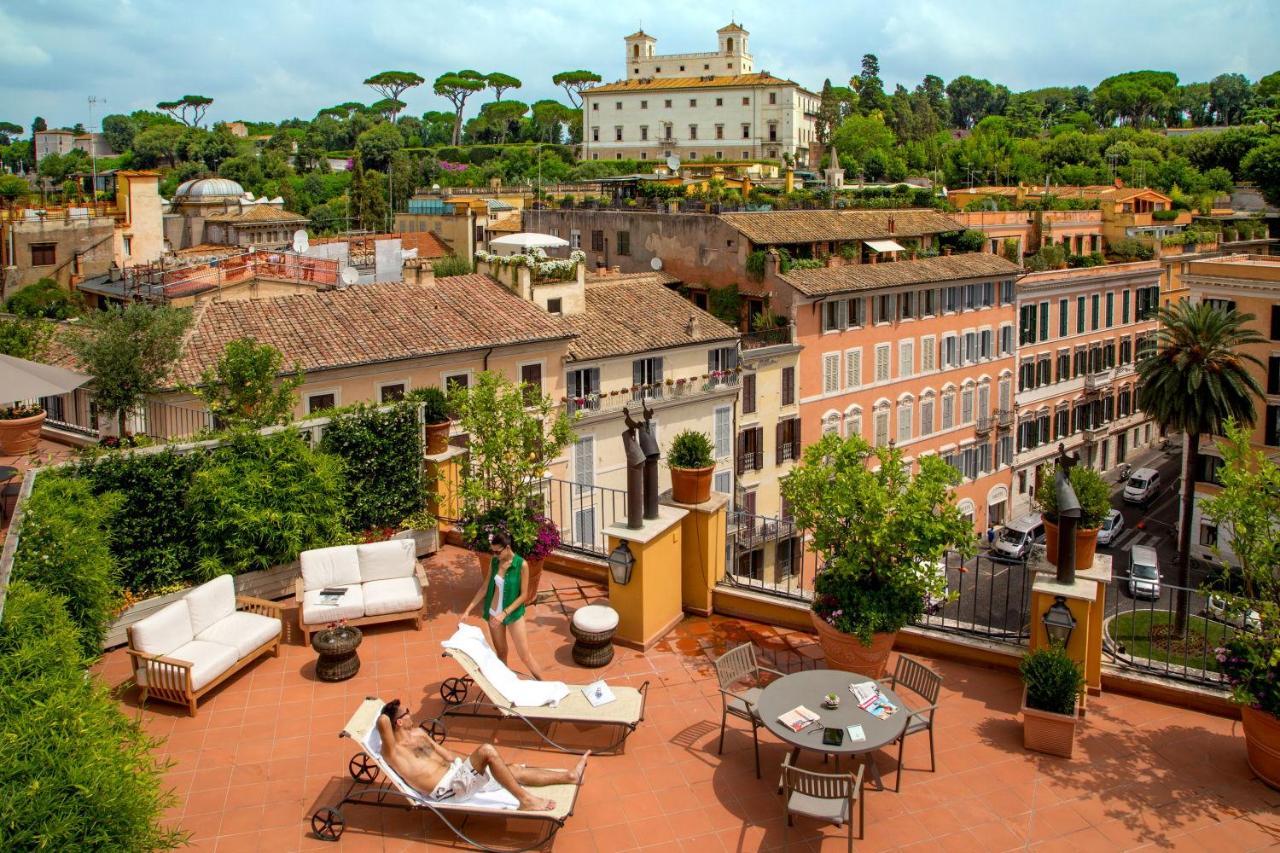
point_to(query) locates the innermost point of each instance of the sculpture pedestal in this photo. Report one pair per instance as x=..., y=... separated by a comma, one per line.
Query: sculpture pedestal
x=1096, y=579
x=650, y=605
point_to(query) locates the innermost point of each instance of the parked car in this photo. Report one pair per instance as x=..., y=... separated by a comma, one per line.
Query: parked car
x=1216, y=609
x=1144, y=572
x=1142, y=486
x=1111, y=527
x=1018, y=536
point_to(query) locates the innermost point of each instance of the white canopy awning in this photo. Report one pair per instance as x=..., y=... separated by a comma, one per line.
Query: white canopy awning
x=28, y=380
x=885, y=246
x=528, y=240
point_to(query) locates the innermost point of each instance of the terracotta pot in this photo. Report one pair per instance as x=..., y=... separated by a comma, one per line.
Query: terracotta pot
x=1262, y=744
x=20, y=435
x=691, y=485
x=438, y=437
x=1086, y=544
x=846, y=652
x=535, y=572
x=1047, y=732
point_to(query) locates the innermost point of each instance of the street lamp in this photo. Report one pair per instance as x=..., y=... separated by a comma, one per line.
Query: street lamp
x=621, y=561
x=1058, y=621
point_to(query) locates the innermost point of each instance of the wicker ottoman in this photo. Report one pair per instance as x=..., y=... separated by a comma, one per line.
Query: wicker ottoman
x=336, y=647
x=592, y=628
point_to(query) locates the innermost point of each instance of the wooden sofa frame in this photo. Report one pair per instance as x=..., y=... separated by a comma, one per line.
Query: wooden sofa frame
x=416, y=615
x=169, y=679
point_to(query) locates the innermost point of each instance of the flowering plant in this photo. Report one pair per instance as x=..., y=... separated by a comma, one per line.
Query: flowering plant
x=545, y=541
x=453, y=167
x=19, y=410
x=377, y=534
x=1250, y=663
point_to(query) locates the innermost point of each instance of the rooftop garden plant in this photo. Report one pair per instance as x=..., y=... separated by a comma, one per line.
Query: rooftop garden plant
x=1053, y=680
x=691, y=449
x=435, y=405
x=1091, y=490
x=248, y=387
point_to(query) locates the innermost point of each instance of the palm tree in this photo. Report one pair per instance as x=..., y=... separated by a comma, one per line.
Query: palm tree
x=1194, y=380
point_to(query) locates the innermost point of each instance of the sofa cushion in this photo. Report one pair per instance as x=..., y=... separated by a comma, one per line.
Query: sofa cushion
x=595, y=618
x=210, y=660
x=165, y=630
x=337, y=566
x=244, y=632
x=211, y=602
x=394, y=558
x=350, y=606
x=393, y=595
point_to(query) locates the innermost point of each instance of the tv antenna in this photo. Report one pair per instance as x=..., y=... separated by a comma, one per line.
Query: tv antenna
x=93, y=154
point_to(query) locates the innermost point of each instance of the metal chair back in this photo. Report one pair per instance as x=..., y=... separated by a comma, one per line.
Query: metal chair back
x=822, y=786
x=735, y=665
x=917, y=678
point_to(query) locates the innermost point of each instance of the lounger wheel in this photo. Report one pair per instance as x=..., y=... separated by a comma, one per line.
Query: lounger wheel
x=454, y=691
x=435, y=729
x=362, y=768
x=328, y=824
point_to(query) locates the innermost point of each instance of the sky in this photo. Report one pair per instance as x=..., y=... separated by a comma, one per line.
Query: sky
x=274, y=59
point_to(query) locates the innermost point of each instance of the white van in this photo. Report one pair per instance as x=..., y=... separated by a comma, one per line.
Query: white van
x=1144, y=572
x=1142, y=486
x=1017, y=537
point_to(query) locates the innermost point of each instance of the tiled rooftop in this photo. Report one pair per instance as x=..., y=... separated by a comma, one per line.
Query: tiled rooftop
x=858, y=277
x=263, y=754
x=765, y=228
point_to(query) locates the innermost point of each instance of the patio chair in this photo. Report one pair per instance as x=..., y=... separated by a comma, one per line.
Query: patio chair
x=732, y=667
x=623, y=714
x=926, y=684
x=825, y=796
x=366, y=766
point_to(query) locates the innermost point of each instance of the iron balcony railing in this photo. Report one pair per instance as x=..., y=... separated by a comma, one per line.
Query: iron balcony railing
x=768, y=337
x=672, y=389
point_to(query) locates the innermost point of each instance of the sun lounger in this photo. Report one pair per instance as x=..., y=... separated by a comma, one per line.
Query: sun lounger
x=623, y=714
x=368, y=766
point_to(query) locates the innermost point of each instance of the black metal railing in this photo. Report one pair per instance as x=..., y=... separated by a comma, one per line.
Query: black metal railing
x=768, y=554
x=985, y=598
x=767, y=337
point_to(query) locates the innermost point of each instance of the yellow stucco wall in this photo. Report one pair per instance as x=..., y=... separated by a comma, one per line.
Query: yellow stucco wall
x=650, y=605
x=138, y=195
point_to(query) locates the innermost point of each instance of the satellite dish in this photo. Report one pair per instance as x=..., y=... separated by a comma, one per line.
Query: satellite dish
x=673, y=163
x=655, y=264
x=300, y=242
x=349, y=275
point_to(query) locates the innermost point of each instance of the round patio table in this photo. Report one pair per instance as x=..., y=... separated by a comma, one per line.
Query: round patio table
x=807, y=688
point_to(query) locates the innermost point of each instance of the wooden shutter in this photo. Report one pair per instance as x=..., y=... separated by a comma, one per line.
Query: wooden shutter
x=637, y=372
x=779, y=438
x=748, y=393
x=740, y=458
x=853, y=369
x=795, y=438
x=758, y=458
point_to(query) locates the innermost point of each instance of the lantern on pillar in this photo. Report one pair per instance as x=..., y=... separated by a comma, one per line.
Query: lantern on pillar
x=621, y=562
x=1057, y=620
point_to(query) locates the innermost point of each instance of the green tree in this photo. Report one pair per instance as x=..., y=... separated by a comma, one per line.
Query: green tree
x=368, y=198
x=501, y=116
x=1134, y=97
x=1231, y=96
x=858, y=137
x=869, y=86
x=456, y=87
x=574, y=82
x=392, y=84
x=13, y=188
x=1268, y=88
x=47, y=299
x=500, y=83
x=971, y=100
x=549, y=119
x=1262, y=166
x=25, y=337
x=119, y=131
x=437, y=127
x=378, y=144
x=56, y=168
x=189, y=109
x=128, y=353
x=248, y=387
x=217, y=146
x=8, y=130
x=158, y=144
x=1194, y=381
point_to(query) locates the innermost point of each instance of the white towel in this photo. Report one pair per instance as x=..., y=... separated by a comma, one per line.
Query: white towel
x=516, y=690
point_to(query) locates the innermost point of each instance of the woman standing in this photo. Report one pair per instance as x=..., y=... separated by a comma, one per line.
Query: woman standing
x=505, y=595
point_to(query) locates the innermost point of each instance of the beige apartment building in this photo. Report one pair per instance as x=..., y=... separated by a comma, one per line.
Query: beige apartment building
x=697, y=106
x=1080, y=333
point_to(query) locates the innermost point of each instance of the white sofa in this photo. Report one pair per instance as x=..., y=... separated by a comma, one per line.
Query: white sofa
x=192, y=645
x=383, y=580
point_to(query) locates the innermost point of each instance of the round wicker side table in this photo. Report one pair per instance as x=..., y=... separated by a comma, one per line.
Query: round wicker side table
x=336, y=648
x=592, y=628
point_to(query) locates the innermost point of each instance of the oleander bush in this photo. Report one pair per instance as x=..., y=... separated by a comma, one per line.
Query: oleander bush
x=382, y=452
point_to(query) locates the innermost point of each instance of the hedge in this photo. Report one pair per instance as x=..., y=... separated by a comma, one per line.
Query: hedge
x=382, y=452
x=77, y=773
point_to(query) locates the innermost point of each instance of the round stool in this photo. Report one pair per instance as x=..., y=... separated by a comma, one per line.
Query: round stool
x=592, y=628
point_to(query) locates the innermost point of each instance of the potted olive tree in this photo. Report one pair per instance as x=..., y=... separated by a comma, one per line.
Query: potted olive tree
x=880, y=532
x=435, y=411
x=1052, y=682
x=691, y=458
x=1247, y=513
x=20, y=427
x=1095, y=502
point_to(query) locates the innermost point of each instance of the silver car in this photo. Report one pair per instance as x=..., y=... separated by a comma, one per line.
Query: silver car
x=1144, y=572
x=1111, y=527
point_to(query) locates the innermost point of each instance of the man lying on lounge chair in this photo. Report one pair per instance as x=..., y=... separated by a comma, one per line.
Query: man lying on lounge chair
x=434, y=770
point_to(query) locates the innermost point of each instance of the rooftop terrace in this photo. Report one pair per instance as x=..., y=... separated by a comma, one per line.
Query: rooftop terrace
x=263, y=754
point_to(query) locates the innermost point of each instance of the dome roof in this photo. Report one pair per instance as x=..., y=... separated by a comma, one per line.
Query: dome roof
x=208, y=188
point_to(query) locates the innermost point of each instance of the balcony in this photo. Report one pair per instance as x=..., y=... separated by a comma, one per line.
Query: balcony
x=1097, y=433
x=984, y=424
x=1004, y=418
x=1100, y=379
x=669, y=390
x=769, y=337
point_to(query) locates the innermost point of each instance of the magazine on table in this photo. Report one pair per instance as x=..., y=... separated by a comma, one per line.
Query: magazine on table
x=864, y=693
x=598, y=693
x=882, y=708
x=798, y=718
x=332, y=594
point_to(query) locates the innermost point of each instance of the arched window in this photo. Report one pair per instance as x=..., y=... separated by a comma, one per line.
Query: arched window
x=881, y=437
x=635, y=51
x=905, y=425
x=728, y=46
x=926, y=413
x=853, y=421
x=831, y=423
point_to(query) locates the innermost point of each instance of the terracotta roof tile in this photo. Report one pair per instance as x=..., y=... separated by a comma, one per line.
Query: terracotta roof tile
x=775, y=227
x=258, y=213
x=761, y=79
x=371, y=323
x=638, y=313
x=853, y=277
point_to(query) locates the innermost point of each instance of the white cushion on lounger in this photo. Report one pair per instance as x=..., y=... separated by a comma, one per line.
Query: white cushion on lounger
x=350, y=606
x=395, y=595
x=210, y=660
x=165, y=630
x=379, y=561
x=211, y=601
x=337, y=566
x=242, y=631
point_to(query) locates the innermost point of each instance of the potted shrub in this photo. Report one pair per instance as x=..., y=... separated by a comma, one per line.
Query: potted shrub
x=1051, y=685
x=20, y=427
x=421, y=528
x=1095, y=502
x=879, y=532
x=435, y=411
x=1245, y=511
x=691, y=458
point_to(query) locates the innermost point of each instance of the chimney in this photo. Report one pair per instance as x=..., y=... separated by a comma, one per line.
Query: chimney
x=874, y=256
x=831, y=260
x=615, y=270
x=692, y=326
x=946, y=250
x=891, y=225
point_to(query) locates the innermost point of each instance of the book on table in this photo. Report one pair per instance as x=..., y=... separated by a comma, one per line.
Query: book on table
x=857, y=734
x=798, y=718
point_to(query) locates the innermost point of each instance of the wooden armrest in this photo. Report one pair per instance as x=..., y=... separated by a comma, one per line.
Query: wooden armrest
x=420, y=573
x=260, y=606
x=150, y=658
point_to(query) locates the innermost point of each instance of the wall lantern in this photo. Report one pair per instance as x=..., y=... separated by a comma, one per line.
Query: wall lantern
x=621, y=561
x=1058, y=621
